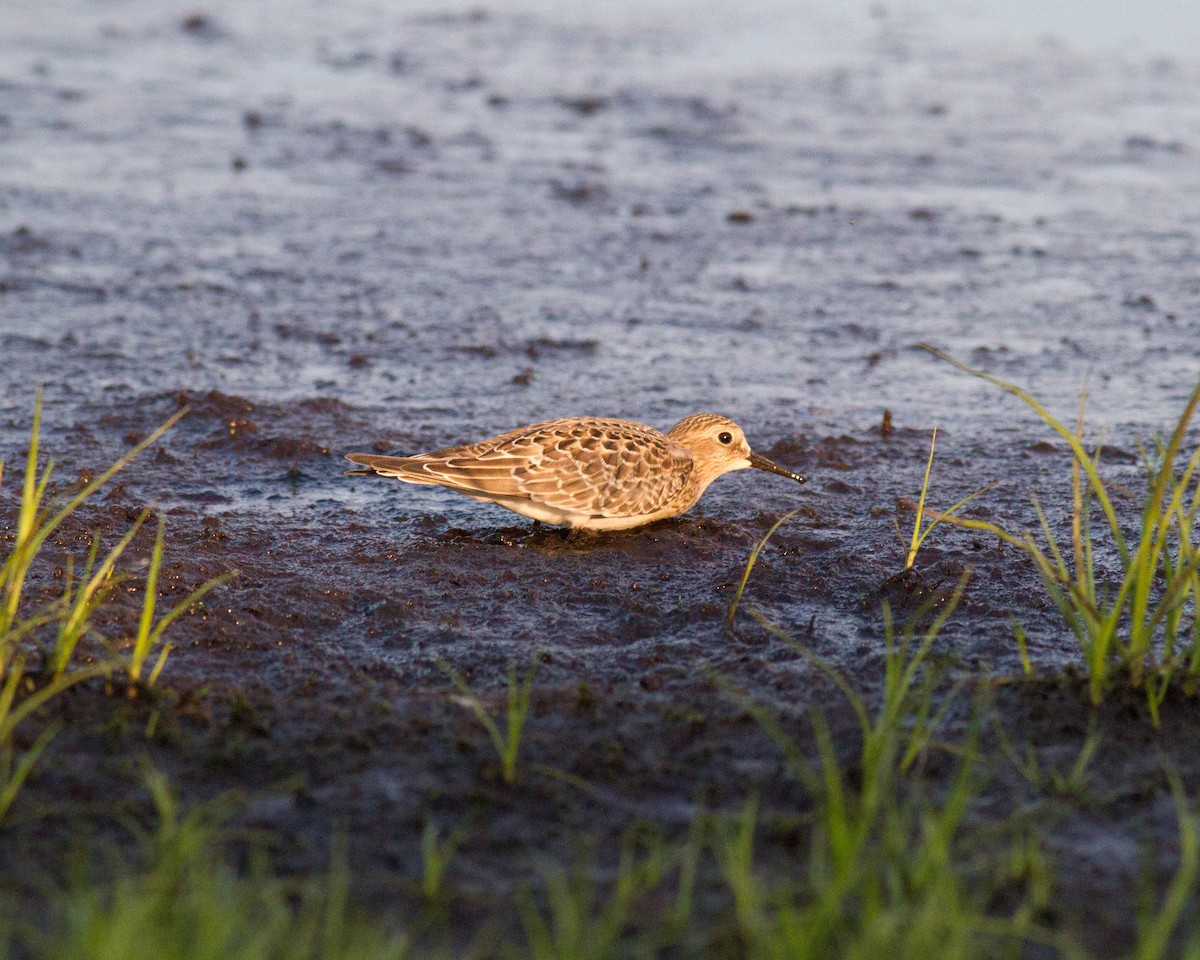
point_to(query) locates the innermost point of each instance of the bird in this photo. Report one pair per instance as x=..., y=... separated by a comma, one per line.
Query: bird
x=586, y=473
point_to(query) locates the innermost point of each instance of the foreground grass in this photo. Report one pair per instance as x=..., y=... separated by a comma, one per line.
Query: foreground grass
x=191, y=905
x=885, y=868
x=52, y=632
x=883, y=861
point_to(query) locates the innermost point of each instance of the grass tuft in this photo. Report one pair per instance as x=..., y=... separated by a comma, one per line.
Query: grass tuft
x=577, y=921
x=436, y=855
x=1138, y=625
x=518, y=697
x=919, y=534
x=149, y=633
x=69, y=616
x=890, y=870
x=36, y=523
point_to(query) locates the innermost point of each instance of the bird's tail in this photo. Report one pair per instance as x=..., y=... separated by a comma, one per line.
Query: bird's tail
x=402, y=468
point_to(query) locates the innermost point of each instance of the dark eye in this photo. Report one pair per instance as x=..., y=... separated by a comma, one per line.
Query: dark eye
x=725, y=437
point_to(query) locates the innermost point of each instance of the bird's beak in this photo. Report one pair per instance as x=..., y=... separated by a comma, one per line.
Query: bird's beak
x=762, y=463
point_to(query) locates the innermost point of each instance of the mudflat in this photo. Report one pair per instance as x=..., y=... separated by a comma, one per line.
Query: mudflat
x=397, y=231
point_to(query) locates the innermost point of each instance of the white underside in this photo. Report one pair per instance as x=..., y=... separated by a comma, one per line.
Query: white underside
x=576, y=521
x=552, y=515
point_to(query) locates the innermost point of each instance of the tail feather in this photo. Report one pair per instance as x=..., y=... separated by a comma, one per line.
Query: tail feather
x=377, y=462
x=402, y=468
x=489, y=481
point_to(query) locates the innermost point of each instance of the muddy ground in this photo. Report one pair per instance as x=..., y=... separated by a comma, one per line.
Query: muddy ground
x=394, y=231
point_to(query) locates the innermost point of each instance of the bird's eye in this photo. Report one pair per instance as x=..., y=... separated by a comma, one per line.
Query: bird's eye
x=725, y=437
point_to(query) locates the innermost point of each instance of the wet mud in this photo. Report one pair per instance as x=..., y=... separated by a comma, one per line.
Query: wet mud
x=323, y=234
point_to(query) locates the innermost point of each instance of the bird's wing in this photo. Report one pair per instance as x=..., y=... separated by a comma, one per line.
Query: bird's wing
x=603, y=468
x=606, y=468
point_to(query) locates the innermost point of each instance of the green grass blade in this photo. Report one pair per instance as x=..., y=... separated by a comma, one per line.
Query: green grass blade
x=32, y=532
x=519, y=696
x=475, y=706
x=86, y=599
x=44, y=531
x=8, y=693
x=1062, y=571
x=753, y=559
x=16, y=566
x=34, y=702
x=141, y=643
x=144, y=645
x=915, y=544
x=29, y=502
x=945, y=515
x=16, y=777
x=1172, y=449
x=1155, y=934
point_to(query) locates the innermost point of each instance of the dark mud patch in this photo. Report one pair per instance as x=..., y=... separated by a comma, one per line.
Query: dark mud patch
x=911, y=592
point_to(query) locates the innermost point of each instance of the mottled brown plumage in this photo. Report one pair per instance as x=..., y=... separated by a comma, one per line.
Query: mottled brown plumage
x=589, y=473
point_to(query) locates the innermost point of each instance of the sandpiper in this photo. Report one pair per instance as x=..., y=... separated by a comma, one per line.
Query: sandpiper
x=586, y=473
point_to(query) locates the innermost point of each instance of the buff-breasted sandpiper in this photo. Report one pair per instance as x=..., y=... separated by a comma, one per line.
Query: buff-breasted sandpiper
x=586, y=473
